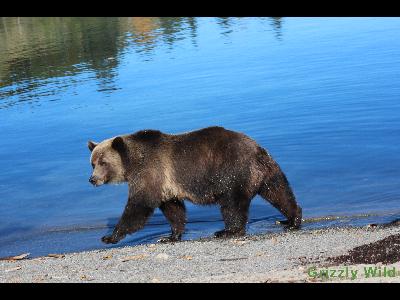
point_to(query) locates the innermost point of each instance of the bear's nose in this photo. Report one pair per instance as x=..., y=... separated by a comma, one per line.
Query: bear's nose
x=92, y=180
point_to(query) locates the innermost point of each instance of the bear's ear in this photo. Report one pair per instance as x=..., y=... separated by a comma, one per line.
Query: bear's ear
x=91, y=145
x=118, y=144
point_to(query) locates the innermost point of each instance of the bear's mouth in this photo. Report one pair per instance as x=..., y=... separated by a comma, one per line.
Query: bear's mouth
x=98, y=183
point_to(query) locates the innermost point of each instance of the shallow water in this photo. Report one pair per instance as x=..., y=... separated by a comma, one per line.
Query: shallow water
x=321, y=94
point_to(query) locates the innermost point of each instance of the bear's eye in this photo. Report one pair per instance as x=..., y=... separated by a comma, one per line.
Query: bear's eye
x=102, y=163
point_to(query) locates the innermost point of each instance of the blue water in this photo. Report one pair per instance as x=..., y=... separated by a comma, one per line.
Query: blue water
x=321, y=94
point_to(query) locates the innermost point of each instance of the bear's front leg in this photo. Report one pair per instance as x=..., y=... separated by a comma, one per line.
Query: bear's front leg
x=133, y=218
x=111, y=239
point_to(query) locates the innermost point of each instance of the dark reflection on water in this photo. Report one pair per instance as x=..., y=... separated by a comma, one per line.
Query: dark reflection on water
x=277, y=25
x=41, y=51
x=320, y=93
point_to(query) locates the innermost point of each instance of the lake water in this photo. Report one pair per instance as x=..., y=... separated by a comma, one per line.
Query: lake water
x=321, y=94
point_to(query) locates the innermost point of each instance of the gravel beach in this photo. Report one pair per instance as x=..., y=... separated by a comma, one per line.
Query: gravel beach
x=297, y=256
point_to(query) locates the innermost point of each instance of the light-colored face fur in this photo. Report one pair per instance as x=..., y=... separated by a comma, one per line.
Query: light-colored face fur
x=106, y=163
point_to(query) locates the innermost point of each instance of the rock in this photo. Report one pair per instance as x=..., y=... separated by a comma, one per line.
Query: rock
x=13, y=269
x=56, y=255
x=134, y=257
x=18, y=257
x=162, y=256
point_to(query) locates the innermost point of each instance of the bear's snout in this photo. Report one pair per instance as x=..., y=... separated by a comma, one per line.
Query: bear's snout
x=93, y=180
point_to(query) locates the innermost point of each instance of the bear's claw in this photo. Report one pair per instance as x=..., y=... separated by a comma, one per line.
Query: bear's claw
x=169, y=239
x=109, y=239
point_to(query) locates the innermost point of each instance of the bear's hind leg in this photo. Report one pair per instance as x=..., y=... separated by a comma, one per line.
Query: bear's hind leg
x=235, y=214
x=175, y=212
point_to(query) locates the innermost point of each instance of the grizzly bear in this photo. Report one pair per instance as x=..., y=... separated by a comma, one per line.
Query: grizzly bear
x=208, y=166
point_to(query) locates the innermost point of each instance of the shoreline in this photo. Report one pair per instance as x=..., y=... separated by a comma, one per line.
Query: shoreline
x=271, y=257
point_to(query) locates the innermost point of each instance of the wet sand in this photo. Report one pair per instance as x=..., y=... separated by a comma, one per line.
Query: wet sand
x=298, y=256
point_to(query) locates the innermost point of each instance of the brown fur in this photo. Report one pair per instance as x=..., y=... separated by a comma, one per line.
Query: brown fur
x=208, y=166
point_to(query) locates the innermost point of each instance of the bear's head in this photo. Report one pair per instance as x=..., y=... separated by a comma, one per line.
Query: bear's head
x=106, y=161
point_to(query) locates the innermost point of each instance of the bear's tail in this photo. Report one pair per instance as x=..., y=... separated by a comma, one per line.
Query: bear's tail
x=275, y=189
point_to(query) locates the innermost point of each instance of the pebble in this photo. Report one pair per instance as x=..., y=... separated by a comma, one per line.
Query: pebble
x=264, y=261
x=162, y=256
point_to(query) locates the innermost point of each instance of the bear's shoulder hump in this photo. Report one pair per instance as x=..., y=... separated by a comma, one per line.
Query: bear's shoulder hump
x=148, y=134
